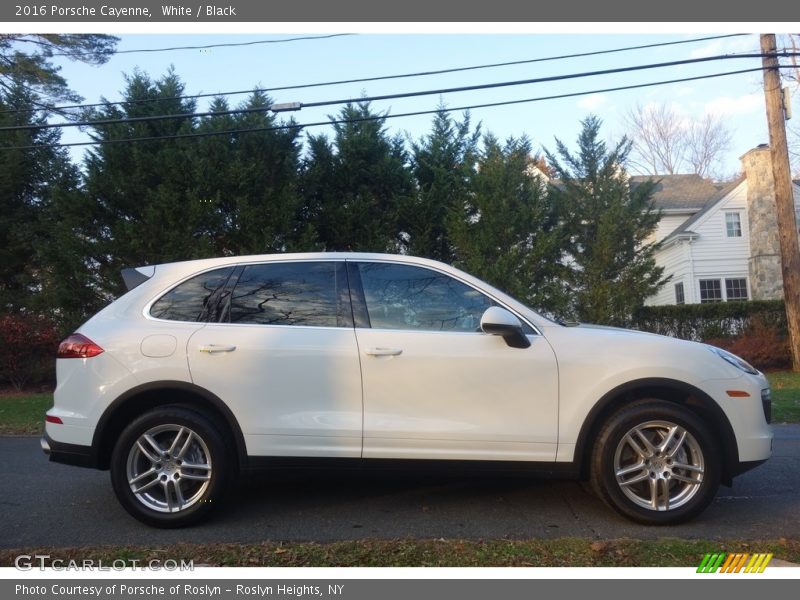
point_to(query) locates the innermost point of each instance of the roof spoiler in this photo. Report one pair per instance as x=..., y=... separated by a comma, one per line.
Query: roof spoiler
x=134, y=277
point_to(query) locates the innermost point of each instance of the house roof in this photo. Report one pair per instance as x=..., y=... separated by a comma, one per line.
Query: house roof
x=722, y=191
x=679, y=192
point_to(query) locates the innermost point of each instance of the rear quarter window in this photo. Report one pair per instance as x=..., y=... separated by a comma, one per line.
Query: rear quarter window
x=194, y=299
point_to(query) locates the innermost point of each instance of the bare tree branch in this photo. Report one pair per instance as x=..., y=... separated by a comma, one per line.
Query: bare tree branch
x=664, y=142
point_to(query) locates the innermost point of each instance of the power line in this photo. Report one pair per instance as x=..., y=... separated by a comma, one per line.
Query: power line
x=386, y=77
x=400, y=95
x=207, y=46
x=385, y=116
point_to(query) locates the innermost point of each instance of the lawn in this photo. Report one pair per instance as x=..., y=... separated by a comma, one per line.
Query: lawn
x=564, y=552
x=785, y=396
x=22, y=414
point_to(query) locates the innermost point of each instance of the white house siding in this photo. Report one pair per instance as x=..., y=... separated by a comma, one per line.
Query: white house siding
x=670, y=222
x=675, y=260
x=710, y=255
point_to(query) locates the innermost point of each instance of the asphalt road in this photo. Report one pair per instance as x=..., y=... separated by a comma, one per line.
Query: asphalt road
x=49, y=505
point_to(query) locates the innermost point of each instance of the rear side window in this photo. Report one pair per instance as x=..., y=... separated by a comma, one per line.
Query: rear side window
x=193, y=299
x=312, y=294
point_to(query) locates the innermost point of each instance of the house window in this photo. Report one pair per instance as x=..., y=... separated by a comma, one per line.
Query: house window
x=736, y=289
x=679, y=296
x=733, y=224
x=710, y=291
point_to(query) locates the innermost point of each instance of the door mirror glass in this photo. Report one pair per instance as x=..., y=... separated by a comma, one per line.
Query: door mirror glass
x=499, y=321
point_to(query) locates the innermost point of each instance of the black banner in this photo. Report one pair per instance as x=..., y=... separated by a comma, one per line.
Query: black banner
x=363, y=11
x=395, y=589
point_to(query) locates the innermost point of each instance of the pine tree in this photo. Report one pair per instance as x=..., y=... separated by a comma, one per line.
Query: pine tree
x=26, y=59
x=145, y=208
x=354, y=187
x=249, y=181
x=443, y=163
x=612, y=266
x=507, y=231
x=38, y=183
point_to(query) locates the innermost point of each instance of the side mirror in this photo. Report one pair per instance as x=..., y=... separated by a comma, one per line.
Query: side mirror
x=498, y=321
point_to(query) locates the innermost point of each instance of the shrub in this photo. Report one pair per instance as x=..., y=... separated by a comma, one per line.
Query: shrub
x=701, y=322
x=762, y=346
x=28, y=345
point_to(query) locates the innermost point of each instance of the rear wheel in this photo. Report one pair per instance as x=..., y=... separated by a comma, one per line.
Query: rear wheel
x=656, y=462
x=170, y=467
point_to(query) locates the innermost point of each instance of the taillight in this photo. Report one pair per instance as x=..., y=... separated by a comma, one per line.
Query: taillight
x=78, y=346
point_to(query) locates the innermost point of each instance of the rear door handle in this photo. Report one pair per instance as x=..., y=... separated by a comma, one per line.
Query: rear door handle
x=215, y=348
x=383, y=351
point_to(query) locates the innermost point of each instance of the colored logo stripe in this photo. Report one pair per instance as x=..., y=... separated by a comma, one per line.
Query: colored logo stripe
x=734, y=563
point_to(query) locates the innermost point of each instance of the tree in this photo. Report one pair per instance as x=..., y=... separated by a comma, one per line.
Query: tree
x=612, y=266
x=443, y=164
x=144, y=205
x=37, y=186
x=354, y=187
x=249, y=181
x=25, y=59
x=665, y=142
x=507, y=230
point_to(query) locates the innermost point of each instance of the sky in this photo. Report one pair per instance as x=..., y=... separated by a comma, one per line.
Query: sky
x=737, y=99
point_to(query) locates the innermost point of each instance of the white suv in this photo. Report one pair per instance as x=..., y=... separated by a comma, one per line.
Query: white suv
x=208, y=368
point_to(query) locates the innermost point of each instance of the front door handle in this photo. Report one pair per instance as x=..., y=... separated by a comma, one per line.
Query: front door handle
x=215, y=348
x=383, y=351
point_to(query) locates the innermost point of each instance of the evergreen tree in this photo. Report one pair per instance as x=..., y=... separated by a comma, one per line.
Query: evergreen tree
x=443, y=164
x=354, y=187
x=145, y=208
x=507, y=231
x=612, y=263
x=249, y=180
x=26, y=59
x=38, y=185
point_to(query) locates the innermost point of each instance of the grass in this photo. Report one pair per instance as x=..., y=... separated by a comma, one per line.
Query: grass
x=785, y=396
x=23, y=414
x=564, y=552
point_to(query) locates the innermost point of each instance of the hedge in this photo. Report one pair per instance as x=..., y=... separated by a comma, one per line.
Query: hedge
x=701, y=322
x=754, y=330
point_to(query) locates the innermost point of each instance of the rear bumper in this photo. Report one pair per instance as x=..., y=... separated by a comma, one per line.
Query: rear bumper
x=69, y=454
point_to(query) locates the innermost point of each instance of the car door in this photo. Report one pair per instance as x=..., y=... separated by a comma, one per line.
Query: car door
x=284, y=358
x=436, y=386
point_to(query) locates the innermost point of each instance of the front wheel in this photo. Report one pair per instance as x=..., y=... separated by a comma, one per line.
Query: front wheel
x=170, y=467
x=656, y=462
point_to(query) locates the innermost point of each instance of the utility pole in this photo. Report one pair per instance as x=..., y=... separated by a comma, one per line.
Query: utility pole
x=784, y=200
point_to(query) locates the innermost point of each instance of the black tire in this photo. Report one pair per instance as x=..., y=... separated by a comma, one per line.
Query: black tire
x=194, y=462
x=662, y=486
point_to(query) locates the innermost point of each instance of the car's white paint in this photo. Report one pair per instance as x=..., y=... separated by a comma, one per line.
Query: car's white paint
x=298, y=390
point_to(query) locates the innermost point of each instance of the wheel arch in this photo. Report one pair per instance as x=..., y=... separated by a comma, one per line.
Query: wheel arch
x=142, y=398
x=671, y=390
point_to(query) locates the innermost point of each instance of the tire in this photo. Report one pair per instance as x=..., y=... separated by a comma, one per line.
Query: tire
x=170, y=467
x=656, y=463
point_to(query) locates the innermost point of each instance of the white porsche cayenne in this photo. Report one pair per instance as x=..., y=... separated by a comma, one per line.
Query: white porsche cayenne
x=205, y=369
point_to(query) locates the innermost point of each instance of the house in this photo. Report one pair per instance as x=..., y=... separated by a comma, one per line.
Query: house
x=719, y=242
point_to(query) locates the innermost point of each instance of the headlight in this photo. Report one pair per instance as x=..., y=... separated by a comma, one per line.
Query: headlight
x=737, y=362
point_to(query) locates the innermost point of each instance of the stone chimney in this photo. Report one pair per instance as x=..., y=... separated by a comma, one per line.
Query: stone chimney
x=764, y=264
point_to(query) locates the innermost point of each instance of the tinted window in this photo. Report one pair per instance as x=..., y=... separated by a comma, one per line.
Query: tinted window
x=292, y=293
x=408, y=297
x=193, y=299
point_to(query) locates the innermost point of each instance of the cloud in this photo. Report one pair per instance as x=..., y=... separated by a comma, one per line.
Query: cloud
x=593, y=101
x=725, y=46
x=740, y=105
